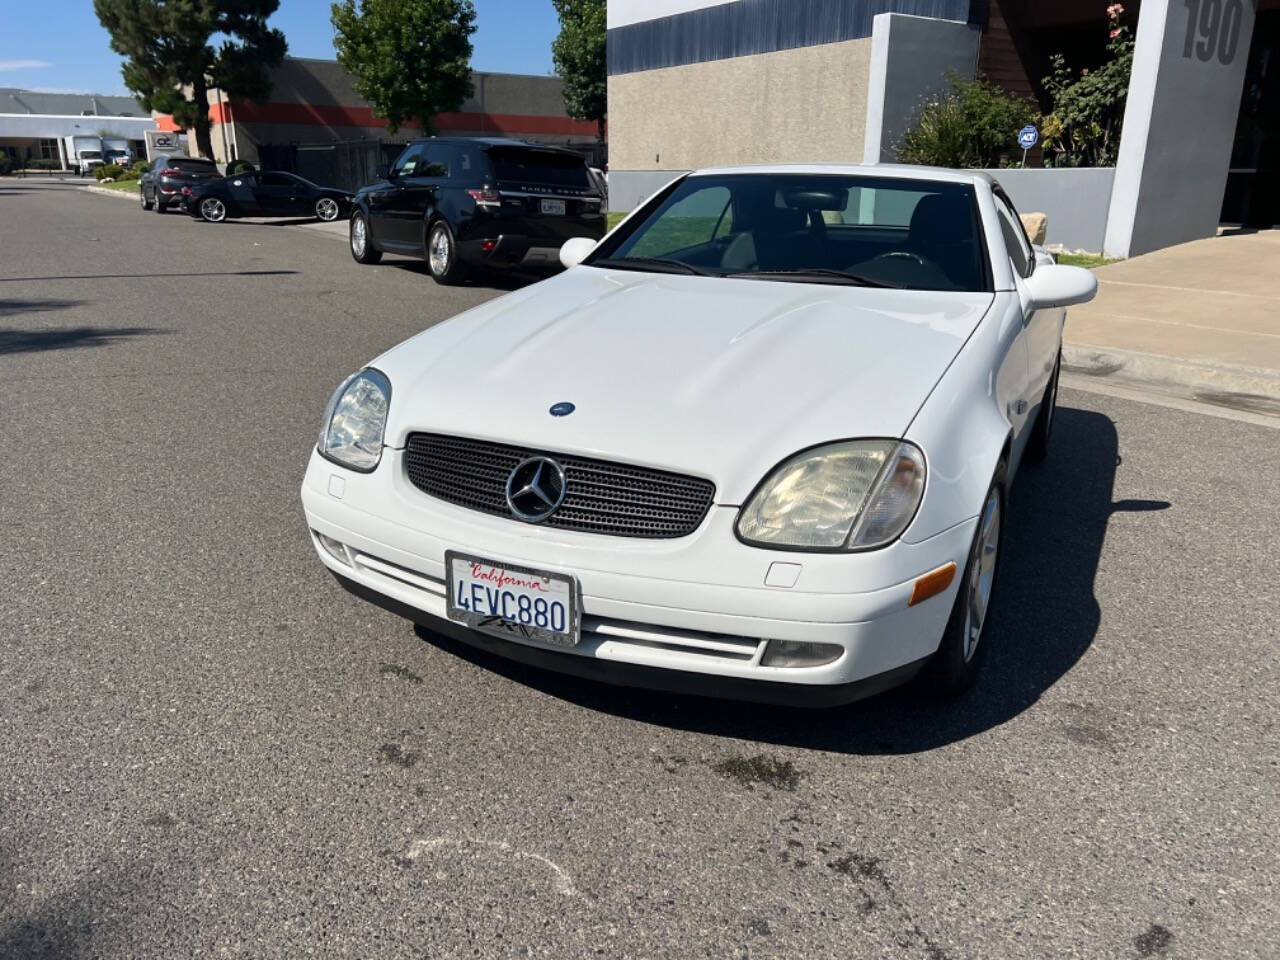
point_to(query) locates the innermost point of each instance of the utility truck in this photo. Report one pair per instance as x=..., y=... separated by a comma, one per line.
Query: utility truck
x=83, y=153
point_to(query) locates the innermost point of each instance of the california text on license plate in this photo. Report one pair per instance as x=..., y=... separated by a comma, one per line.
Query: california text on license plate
x=512, y=601
x=555, y=207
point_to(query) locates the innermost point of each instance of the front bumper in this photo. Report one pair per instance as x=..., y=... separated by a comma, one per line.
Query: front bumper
x=696, y=609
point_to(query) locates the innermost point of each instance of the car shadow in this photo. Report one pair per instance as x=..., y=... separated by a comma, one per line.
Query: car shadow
x=504, y=280
x=1045, y=620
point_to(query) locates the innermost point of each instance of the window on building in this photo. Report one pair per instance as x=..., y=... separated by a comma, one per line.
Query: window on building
x=48, y=149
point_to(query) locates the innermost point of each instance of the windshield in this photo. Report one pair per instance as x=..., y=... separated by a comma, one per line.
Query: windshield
x=91, y=154
x=810, y=228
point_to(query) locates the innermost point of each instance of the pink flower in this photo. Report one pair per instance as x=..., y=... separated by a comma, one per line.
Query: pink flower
x=1115, y=33
x=1115, y=10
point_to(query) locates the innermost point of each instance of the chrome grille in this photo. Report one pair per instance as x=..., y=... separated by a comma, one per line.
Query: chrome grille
x=600, y=497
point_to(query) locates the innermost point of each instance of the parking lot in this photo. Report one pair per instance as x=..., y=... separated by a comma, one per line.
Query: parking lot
x=207, y=748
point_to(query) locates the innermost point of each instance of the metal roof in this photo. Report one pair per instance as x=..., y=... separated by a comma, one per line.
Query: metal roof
x=13, y=100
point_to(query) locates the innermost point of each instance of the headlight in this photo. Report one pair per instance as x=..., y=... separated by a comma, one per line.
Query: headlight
x=354, y=421
x=854, y=495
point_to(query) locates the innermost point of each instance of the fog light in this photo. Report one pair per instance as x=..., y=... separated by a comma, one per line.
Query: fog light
x=333, y=548
x=800, y=653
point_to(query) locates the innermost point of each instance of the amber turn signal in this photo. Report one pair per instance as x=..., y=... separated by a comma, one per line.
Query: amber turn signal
x=932, y=584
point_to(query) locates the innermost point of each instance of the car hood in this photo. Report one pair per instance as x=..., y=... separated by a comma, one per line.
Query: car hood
x=717, y=378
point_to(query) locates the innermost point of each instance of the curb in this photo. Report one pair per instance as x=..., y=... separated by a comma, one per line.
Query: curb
x=104, y=192
x=1203, y=379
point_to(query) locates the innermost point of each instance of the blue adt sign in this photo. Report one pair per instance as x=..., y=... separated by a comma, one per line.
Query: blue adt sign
x=1028, y=137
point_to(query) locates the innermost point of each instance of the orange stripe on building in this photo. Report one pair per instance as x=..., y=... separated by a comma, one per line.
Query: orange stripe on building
x=330, y=115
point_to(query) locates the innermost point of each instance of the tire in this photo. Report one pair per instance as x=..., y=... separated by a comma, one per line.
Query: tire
x=212, y=210
x=1038, y=443
x=327, y=209
x=442, y=255
x=360, y=242
x=159, y=206
x=963, y=649
x=142, y=195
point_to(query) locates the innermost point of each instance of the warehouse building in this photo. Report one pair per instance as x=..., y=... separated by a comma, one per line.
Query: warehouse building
x=317, y=125
x=704, y=82
x=33, y=125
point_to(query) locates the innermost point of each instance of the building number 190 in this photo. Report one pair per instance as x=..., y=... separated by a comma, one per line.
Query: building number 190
x=1213, y=27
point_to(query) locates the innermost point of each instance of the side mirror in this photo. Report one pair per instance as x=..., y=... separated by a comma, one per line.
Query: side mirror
x=575, y=251
x=1056, y=285
x=383, y=172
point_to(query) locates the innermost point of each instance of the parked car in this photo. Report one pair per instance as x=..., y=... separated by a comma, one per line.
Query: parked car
x=462, y=204
x=758, y=442
x=161, y=186
x=265, y=193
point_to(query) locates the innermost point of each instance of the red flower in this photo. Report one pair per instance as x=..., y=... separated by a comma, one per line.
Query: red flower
x=1115, y=33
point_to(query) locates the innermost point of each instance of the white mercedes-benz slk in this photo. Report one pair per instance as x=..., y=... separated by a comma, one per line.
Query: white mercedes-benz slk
x=757, y=442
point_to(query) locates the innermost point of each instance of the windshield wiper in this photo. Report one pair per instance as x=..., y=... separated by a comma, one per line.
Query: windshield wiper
x=662, y=264
x=815, y=273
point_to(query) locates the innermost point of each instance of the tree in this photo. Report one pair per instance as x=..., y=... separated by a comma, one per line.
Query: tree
x=974, y=124
x=171, y=63
x=410, y=58
x=579, y=57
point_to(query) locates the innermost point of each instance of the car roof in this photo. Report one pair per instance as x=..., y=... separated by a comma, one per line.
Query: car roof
x=902, y=171
x=498, y=142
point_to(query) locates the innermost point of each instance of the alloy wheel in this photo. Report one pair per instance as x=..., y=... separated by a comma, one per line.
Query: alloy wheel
x=327, y=209
x=439, y=254
x=982, y=574
x=358, y=236
x=213, y=210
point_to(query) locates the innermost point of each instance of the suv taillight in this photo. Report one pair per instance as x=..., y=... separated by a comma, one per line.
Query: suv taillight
x=170, y=172
x=486, y=197
x=186, y=191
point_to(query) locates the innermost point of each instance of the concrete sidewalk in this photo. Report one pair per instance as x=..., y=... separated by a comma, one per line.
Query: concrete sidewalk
x=1201, y=316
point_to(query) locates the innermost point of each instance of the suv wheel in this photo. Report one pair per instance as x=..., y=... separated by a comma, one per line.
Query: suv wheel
x=159, y=203
x=362, y=249
x=442, y=255
x=142, y=196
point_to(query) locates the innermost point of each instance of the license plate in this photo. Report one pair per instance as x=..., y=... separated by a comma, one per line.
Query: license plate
x=512, y=601
x=553, y=207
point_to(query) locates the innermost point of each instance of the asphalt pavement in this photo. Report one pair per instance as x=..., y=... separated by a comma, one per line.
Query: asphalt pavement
x=208, y=749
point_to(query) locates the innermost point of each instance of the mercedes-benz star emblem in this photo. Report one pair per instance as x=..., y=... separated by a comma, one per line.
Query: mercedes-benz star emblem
x=535, y=489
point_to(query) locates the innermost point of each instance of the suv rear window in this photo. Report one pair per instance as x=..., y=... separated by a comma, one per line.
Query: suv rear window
x=194, y=164
x=544, y=167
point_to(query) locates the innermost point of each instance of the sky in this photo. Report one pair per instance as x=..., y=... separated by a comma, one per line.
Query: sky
x=58, y=45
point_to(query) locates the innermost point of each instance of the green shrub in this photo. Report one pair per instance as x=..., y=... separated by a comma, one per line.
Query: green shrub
x=141, y=167
x=130, y=173
x=974, y=124
x=38, y=164
x=6, y=163
x=112, y=170
x=239, y=166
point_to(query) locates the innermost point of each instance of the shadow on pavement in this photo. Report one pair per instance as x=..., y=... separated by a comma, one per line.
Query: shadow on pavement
x=505, y=280
x=11, y=307
x=144, y=276
x=37, y=341
x=1046, y=618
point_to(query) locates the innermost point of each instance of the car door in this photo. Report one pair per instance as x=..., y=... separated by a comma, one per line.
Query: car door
x=275, y=194
x=419, y=190
x=385, y=200
x=1042, y=329
x=242, y=187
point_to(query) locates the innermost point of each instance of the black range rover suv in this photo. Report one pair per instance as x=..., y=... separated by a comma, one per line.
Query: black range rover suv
x=467, y=203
